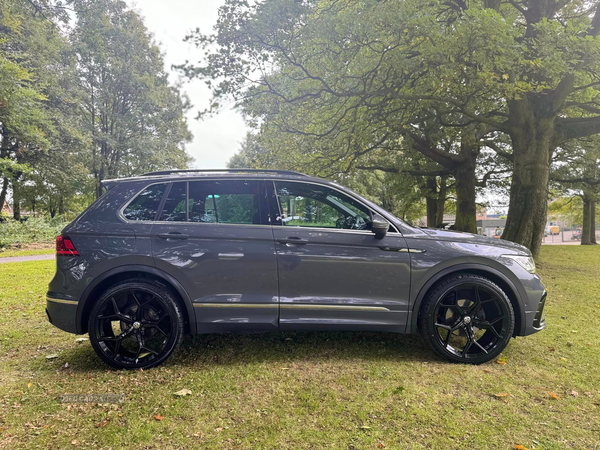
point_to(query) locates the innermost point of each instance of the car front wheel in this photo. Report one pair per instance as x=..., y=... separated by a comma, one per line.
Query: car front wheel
x=135, y=324
x=467, y=318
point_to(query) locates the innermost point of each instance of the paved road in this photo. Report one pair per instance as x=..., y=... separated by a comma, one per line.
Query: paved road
x=10, y=259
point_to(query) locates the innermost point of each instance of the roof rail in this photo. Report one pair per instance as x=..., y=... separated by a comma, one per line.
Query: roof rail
x=169, y=172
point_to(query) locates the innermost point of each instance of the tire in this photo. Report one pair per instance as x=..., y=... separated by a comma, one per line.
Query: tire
x=136, y=324
x=468, y=311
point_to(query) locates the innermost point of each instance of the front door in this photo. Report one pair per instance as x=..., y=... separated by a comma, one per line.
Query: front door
x=213, y=236
x=333, y=271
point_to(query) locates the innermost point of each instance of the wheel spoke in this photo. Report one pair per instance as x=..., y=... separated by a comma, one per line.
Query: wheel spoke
x=479, y=345
x=488, y=326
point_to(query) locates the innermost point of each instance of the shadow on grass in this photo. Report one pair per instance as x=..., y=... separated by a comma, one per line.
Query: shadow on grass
x=290, y=347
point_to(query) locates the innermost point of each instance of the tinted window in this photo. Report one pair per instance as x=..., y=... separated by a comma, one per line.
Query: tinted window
x=311, y=205
x=226, y=201
x=174, y=209
x=145, y=205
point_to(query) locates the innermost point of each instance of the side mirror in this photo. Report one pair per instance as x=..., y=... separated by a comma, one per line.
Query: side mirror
x=379, y=226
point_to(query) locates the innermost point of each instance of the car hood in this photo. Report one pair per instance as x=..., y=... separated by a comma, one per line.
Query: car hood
x=458, y=236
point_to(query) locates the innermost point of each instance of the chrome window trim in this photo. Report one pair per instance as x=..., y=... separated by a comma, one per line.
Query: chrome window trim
x=341, y=192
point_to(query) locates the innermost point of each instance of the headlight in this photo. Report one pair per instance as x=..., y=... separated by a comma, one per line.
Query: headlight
x=526, y=262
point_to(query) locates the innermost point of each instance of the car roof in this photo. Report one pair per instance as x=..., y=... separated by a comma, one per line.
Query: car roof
x=178, y=175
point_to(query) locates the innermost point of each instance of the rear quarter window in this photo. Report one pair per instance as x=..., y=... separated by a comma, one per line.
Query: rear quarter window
x=145, y=205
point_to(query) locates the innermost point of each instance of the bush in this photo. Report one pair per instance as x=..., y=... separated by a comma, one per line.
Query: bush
x=32, y=230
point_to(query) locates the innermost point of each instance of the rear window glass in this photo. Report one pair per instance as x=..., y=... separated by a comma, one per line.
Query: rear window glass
x=145, y=205
x=175, y=207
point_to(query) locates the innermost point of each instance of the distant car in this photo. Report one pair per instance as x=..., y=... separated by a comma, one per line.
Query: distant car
x=554, y=230
x=190, y=252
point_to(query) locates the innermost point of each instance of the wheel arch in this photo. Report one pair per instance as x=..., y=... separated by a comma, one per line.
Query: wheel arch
x=121, y=273
x=490, y=273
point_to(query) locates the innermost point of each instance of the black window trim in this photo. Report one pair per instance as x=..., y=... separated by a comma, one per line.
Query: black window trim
x=263, y=203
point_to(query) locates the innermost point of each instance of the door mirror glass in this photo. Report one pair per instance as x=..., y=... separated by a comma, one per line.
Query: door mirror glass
x=380, y=226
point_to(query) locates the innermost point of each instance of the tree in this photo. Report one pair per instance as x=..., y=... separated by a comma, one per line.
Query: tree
x=29, y=46
x=578, y=171
x=134, y=115
x=336, y=69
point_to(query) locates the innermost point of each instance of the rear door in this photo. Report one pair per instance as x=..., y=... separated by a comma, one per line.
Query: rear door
x=333, y=272
x=214, y=235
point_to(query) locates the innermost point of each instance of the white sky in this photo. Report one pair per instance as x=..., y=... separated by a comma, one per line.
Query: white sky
x=215, y=139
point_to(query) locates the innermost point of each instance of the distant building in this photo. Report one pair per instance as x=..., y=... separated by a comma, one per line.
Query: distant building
x=488, y=227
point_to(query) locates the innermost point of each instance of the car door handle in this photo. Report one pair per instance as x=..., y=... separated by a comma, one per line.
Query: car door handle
x=173, y=235
x=293, y=240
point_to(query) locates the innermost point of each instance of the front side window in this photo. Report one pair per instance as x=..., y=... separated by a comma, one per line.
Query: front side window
x=312, y=205
x=145, y=205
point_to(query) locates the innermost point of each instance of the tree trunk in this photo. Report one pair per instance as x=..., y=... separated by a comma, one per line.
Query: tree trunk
x=431, y=201
x=532, y=139
x=593, y=222
x=441, y=201
x=466, y=180
x=16, y=201
x=61, y=206
x=588, y=232
x=3, y=192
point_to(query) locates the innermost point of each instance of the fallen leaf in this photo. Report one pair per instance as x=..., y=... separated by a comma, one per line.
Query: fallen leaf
x=501, y=362
x=487, y=371
x=183, y=393
x=198, y=434
x=219, y=429
x=574, y=393
x=103, y=423
x=365, y=427
x=501, y=394
x=519, y=447
x=158, y=417
x=29, y=385
x=551, y=349
x=553, y=395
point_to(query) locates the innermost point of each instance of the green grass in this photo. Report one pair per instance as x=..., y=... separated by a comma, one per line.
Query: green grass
x=4, y=253
x=308, y=390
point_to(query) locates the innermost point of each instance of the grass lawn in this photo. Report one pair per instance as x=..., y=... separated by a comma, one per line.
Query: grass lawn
x=28, y=251
x=309, y=390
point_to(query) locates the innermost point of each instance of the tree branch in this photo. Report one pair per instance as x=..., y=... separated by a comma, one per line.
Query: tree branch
x=432, y=173
x=573, y=128
x=498, y=150
x=423, y=146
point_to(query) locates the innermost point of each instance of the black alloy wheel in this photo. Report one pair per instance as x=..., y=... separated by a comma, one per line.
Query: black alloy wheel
x=467, y=318
x=136, y=324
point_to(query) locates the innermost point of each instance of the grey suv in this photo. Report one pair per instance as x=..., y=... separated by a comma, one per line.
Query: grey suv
x=189, y=252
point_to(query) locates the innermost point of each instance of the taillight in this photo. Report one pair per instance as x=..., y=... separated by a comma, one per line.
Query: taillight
x=64, y=246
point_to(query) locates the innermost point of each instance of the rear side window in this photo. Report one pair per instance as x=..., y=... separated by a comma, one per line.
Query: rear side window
x=145, y=205
x=175, y=205
x=227, y=201
x=224, y=202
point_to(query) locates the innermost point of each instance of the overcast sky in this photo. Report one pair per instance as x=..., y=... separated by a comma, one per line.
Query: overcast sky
x=215, y=139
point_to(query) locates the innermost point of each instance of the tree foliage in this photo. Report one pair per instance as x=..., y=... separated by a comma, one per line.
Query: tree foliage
x=358, y=75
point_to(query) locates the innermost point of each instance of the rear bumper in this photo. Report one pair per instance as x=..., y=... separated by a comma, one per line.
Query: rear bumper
x=62, y=313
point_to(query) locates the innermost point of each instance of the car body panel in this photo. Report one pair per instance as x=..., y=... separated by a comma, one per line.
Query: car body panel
x=241, y=278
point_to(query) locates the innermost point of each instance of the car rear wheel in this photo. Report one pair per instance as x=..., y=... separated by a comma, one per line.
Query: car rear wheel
x=467, y=318
x=136, y=324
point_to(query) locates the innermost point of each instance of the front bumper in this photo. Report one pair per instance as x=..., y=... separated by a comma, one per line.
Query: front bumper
x=535, y=320
x=62, y=313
